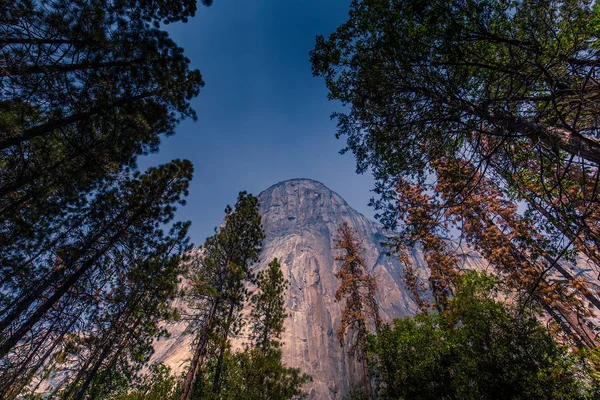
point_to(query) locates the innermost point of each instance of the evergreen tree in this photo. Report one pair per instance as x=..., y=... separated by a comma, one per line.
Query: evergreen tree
x=466, y=112
x=130, y=325
x=112, y=284
x=158, y=384
x=218, y=289
x=479, y=348
x=257, y=372
x=86, y=273
x=268, y=313
x=358, y=288
x=256, y=375
x=87, y=86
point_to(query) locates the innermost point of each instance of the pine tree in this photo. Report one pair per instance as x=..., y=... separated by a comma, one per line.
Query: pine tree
x=268, y=313
x=254, y=375
x=257, y=372
x=479, y=121
x=358, y=288
x=86, y=87
x=218, y=288
x=99, y=279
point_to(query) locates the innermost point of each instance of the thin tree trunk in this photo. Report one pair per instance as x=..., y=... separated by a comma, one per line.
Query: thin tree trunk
x=571, y=142
x=8, y=387
x=105, y=352
x=113, y=331
x=217, y=378
x=28, y=300
x=8, y=344
x=15, y=392
x=45, y=284
x=191, y=378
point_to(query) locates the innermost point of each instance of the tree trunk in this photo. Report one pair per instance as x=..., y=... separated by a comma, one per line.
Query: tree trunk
x=571, y=142
x=13, y=395
x=44, y=285
x=562, y=225
x=105, y=352
x=217, y=379
x=9, y=343
x=189, y=385
x=8, y=387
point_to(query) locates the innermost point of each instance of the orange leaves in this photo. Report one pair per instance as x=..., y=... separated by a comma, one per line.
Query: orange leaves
x=357, y=287
x=421, y=215
x=460, y=199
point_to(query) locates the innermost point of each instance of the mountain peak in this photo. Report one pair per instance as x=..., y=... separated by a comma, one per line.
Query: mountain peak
x=300, y=218
x=302, y=182
x=297, y=204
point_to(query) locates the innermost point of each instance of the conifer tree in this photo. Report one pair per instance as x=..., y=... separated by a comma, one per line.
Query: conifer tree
x=122, y=257
x=358, y=288
x=218, y=288
x=258, y=372
x=268, y=313
x=479, y=121
x=254, y=375
x=87, y=86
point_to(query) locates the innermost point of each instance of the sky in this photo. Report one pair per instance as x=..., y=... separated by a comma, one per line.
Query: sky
x=262, y=117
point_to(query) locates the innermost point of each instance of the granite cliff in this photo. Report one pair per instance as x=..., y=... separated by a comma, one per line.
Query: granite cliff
x=300, y=219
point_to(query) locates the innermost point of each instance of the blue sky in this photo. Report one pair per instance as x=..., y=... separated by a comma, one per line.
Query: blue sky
x=262, y=117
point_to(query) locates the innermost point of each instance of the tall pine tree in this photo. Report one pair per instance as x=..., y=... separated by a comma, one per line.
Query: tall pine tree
x=268, y=313
x=358, y=289
x=258, y=372
x=86, y=86
x=218, y=289
x=121, y=256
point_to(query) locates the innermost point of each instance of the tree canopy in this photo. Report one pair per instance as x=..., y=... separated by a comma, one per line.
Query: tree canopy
x=480, y=348
x=478, y=120
x=90, y=253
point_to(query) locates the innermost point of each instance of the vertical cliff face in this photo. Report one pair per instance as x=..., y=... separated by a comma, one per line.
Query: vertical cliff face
x=300, y=218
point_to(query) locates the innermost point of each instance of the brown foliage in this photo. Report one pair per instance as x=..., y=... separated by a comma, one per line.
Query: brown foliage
x=464, y=199
x=357, y=287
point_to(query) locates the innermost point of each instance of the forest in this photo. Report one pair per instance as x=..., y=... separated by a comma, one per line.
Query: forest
x=477, y=120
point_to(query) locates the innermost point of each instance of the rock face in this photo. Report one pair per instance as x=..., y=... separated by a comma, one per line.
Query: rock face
x=300, y=219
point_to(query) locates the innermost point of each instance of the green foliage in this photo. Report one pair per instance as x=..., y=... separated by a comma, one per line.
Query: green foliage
x=436, y=71
x=506, y=90
x=421, y=77
x=121, y=304
x=218, y=288
x=87, y=270
x=219, y=274
x=86, y=88
x=268, y=313
x=256, y=375
x=480, y=348
x=219, y=291
x=158, y=384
